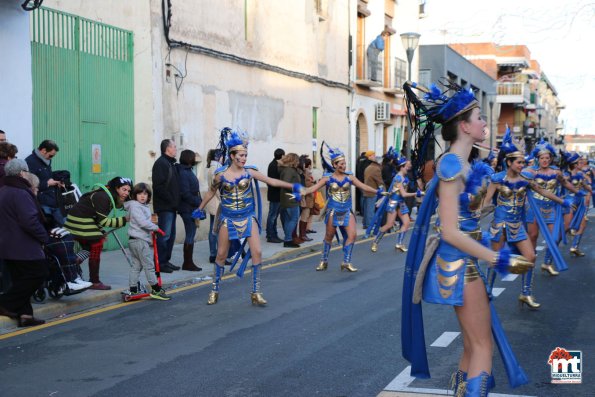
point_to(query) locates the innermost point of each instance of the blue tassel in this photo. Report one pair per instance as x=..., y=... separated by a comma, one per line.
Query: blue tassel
x=501, y=265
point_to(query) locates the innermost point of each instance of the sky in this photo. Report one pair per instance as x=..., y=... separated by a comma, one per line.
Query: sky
x=559, y=34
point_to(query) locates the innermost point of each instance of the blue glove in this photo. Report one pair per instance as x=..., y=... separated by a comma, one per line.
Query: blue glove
x=567, y=203
x=419, y=193
x=379, y=192
x=199, y=214
x=296, y=192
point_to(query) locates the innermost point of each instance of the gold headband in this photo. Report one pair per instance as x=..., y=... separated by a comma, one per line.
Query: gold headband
x=471, y=105
x=338, y=159
x=515, y=154
x=238, y=148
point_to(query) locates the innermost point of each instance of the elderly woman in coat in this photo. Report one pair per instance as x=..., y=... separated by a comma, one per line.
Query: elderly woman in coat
x=21, y=238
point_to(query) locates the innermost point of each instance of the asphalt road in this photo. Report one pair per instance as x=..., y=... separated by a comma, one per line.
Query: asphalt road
x=322, y=334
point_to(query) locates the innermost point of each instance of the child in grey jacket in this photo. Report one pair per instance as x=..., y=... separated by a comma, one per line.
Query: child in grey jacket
x=139, y=233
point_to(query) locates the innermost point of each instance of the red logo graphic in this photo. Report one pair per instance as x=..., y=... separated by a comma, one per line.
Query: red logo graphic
x=559, y=354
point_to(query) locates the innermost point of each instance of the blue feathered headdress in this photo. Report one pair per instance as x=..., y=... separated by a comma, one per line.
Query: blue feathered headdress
x=570, y=157
x=334, y=154
x=543, y=147
x=391, y=154
x=443, y=106
x=400, y=160
x=512, y=147
x=230, y=141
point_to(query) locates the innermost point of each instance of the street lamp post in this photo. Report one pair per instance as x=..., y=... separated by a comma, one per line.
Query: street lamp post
x=410, y=41
x=491, y=124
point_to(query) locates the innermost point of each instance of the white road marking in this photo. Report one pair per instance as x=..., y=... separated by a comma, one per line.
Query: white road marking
x=497, y=291
x=510, y=277
x=402, y=380
x=445, y=339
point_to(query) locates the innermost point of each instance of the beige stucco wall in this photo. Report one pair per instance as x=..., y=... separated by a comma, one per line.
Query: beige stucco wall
x=275, y=109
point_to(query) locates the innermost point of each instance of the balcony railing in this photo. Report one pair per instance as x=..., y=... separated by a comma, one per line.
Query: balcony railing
x=370, y=72
x=513, y=93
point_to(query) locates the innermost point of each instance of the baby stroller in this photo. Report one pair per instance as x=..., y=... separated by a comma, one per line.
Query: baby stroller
x=64, y=266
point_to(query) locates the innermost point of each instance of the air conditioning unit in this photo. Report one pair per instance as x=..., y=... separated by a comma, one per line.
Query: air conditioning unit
x=382, y=111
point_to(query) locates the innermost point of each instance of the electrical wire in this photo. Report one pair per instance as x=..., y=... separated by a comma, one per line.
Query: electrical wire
x=167, y=14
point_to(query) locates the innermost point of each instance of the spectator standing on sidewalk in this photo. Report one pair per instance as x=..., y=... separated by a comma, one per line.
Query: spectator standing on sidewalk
x=212, y=207
x=274, y=197
x=290, y=209
x=307, y=202
x=8, y=151
x=166, y=192
x=189, y=201
x=362, y=163
x=40, y=164
x=88, y=218
x=139, y=234
x=372, y=178
x=21, y=237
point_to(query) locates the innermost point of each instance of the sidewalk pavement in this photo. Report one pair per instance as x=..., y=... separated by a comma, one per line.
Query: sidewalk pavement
x=114, y=271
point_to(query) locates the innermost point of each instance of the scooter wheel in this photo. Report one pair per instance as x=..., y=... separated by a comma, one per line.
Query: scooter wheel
x=127, y=298
x=39, y=295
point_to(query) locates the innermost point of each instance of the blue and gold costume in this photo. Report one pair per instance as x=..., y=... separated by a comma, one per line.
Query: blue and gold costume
x=237, y=204
x=550, y=211
x=338, y=193
x=391, y=203
x=442, y=269
x=239, y=201
x=578, y=206
x=579, y=209
x=509, y=216
x=450, y=267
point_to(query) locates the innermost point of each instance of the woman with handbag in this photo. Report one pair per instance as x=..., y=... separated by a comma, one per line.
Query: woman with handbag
x=307, y=202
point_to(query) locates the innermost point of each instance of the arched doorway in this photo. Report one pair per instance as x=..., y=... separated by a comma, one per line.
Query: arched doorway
x=361, y=135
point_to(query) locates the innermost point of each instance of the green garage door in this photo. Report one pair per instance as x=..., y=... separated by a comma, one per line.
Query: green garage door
x=83, y=96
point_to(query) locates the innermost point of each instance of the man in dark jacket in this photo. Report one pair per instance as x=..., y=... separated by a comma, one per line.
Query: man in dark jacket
x=362, y=163
x=372, y=178
x=274, y=197
x=166, y=198
x=40, y=164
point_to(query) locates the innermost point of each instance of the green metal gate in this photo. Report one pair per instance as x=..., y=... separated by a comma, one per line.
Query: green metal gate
x=83, y=96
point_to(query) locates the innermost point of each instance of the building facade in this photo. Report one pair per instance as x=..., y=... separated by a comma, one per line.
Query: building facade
x=527, y=99
x=437, y=62
x=377, y=109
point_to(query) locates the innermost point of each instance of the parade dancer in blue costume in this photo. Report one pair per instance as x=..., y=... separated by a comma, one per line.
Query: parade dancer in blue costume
x=550, y=178
x=338, y=182
x=393, y=205
x=238, y=219
x=447, y=267
x=587, y=170
x=576, y=220
x=511, y=188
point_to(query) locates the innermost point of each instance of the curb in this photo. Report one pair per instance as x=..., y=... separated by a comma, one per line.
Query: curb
x=70, y=305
